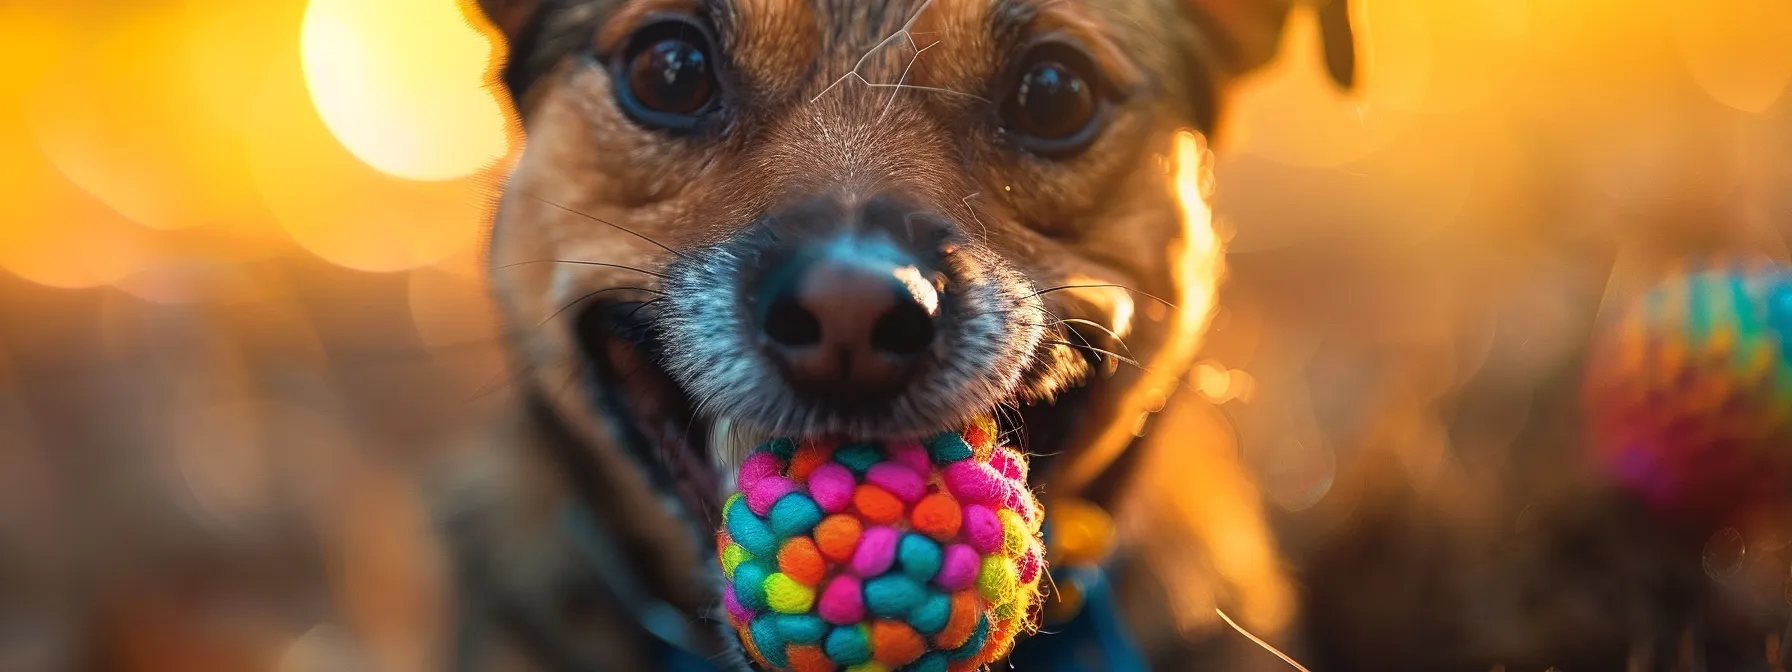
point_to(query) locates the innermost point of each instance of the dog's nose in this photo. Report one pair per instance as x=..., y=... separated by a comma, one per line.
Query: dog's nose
x=851, y=316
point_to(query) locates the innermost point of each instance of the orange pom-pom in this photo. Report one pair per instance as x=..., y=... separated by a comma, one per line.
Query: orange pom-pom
x=876, y=504
x=838, y=536
x=938, y=516
x=1000, y=642
x=812, y=454
x=800, y=559
x=809, y=659
x=965, y=608
x=894, y=643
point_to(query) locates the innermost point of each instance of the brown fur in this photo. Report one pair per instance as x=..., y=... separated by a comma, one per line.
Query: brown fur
x=594, y=186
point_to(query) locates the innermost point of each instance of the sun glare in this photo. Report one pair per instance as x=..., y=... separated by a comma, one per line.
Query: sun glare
x=400, y=83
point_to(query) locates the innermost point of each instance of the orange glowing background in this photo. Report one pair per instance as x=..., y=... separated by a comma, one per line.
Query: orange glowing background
x=241, y=295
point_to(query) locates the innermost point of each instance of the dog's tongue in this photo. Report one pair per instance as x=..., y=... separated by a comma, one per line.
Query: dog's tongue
x=884, y=554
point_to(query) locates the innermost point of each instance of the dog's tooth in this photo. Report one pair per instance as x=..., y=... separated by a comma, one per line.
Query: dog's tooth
x=730, y=442
x=720, y=447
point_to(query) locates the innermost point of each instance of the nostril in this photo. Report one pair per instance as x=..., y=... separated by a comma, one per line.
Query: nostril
x=906, y=329
x=789, y=324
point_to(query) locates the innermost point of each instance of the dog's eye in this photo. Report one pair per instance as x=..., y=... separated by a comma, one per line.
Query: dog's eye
x=1056, y=102
x=666, y=76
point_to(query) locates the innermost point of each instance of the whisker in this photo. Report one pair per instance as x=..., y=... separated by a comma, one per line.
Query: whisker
x=1061, y=288
x=606, y=222
x=1105, y=330
x=1110, y=353
x=581, y=262
x=588, y=297
x=1259, y=642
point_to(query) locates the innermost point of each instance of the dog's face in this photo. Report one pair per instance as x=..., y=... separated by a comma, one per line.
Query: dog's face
x=740, y=218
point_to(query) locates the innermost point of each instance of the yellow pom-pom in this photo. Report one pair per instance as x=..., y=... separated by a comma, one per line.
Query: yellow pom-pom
x=996, y=580
x=732, y=556
x=1015, y=539
x=786, y=596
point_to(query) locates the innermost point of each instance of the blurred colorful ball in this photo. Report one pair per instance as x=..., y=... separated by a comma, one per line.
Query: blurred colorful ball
x=1689, y=394
x=906, y=555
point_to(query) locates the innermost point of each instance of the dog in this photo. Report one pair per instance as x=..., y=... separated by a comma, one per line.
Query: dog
x=737, y=219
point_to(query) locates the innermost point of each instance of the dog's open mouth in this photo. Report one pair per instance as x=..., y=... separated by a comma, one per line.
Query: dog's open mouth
x=684, y=454
x=654, y=418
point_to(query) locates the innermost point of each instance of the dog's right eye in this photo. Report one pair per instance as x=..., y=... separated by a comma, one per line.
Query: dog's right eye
x=666, y=77
x=1056, y=104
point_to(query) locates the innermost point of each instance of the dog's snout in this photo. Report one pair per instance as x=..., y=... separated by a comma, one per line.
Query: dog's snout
x=851, y=315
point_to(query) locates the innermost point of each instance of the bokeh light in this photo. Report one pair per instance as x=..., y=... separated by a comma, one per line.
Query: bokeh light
x=402, y=84
x=1739, y=51
x=343, y=209
x=243, y=306
x=119, y=117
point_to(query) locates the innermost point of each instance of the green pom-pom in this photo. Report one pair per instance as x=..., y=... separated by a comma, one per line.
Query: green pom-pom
x=920, y=556
x=933, y=614
x=859, y=457
x=768, y=641
x=749, y=531
x=948, y=447
x=849, y=645
x=974, y=645
x=802, y=628
x=749, y=584
x=783, y=448
x=932, y=662
x=795, y=514
x=893, y=595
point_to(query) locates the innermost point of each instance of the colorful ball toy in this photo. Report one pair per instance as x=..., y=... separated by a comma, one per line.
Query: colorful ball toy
x=1689, y=394
x=907, y=555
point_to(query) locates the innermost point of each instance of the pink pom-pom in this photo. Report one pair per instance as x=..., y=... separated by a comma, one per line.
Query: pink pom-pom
x=1030, y=564
x=972, y=482
x=843, y=601
x=958, y=570
x=831, y=485
x=905, y=483
x=1009, y=464
x=767, y=492
x=912, y=454
x=876, y=552
x=756, y=468
x=982, y=529
x=739, y=613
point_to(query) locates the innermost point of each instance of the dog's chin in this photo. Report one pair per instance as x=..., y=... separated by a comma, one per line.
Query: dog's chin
x=688, y=453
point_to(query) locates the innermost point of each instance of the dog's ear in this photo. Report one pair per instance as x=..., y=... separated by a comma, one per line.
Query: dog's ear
x=1339, y=41
x=510, y=17
x=1245, y=34
x=1234, y=37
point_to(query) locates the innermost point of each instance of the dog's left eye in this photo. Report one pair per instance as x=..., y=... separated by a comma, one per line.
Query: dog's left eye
x=1055, y=105
x=666, y=77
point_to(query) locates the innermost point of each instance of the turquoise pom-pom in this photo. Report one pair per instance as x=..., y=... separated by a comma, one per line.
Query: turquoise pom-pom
x=769, y=642
x=920, y=556
x=932, y=662
x=749, y=584
x=974, y=645
x=802, y=628
x=749, y=530
x=932, y=615
x=783, y=448
x=893, y=595
x=794, y=514
x=859, y=457
x=848, y=645
x=948, y=447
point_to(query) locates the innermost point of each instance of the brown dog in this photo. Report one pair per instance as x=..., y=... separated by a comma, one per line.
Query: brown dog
x=739, y=218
